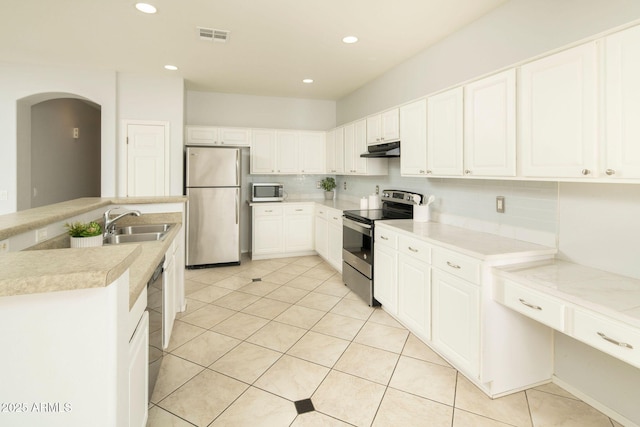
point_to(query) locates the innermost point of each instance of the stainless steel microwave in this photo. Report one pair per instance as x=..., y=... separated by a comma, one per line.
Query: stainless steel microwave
x=267, y=192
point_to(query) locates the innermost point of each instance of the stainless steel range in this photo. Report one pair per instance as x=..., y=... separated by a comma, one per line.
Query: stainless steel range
x=357, y=240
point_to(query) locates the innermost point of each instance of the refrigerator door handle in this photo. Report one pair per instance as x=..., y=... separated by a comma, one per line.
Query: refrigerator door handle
x=237, y=205
x=238, y=167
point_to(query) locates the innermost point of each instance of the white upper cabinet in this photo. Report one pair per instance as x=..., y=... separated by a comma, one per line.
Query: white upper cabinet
x=622, y=105
x=355, y=143
x=383, y=127
x=445, y=133
x=312, y=152
x=558, y=114
x=263, y=151
x=334, y=151
x=413, y=150
x=287, y=151
x=209, y=135
x=490, y=126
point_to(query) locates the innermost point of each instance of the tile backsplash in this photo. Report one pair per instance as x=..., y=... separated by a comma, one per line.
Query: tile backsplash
x=531, y=207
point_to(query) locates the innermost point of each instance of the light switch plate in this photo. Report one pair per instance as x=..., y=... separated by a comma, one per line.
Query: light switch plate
x=500, y=204
x=4, y=246
x=41, y=235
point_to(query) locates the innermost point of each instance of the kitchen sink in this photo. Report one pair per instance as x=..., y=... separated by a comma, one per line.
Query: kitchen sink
x=138, y=234
x=146, y=228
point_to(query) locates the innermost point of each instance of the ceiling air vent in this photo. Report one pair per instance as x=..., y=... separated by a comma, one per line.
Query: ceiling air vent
x=210, y=34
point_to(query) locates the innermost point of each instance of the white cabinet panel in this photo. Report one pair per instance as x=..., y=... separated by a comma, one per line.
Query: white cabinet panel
x=209, y=135
x=490, y=126
x=414, y=295
x=349, y=148
x=540, y=307
x=413, y=126
x=147, y=160
x=386, y=274
x=456, y=320
x=558, y=114
x=334, y=219
x=263, y=151
x=139, y=374
x=268, y=235
x=444, y=133
x=322, y=233
x=622, y=105
x=312, y=152
x=383, y=127
x=287, y=152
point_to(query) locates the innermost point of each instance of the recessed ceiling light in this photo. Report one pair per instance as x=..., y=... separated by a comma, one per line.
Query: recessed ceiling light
x=307, y=81
x=145, y=8
x=171, y=67
x=350, y=39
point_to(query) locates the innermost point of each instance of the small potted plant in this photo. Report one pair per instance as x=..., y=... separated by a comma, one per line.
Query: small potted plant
x=84, y=234
x=328, y=184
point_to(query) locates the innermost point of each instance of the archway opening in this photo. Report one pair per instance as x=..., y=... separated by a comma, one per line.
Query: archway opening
x=58, y=149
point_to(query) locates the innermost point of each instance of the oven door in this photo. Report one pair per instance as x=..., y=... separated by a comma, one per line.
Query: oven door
x=357, y=259
x=357, y=248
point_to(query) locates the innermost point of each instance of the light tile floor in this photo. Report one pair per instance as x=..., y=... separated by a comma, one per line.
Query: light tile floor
x=245, y=351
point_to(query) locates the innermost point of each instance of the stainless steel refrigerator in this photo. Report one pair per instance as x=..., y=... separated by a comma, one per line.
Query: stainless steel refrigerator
x=212, y=181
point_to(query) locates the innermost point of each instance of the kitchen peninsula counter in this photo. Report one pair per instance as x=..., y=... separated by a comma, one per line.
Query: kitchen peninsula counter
x=51, y=270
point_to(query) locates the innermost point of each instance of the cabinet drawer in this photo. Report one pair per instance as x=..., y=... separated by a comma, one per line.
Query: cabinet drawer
x=610, y=336
x=543, y=308
x=269, y=210
x=321, y=212
x=386, y=238
x=299, y=210
x=334, y=216
x=457, y=264
x=415, y=247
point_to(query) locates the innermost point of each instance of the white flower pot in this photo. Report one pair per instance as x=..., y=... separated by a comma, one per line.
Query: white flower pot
x=328, y=195
x=86, y=242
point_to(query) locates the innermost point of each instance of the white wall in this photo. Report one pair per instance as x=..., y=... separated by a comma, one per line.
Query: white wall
x=518, y=30
x=154, y=98
x=226, y=109
x=20, y=81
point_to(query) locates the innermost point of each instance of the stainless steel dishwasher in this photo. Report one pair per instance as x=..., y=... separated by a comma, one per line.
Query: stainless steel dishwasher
x=155, y=307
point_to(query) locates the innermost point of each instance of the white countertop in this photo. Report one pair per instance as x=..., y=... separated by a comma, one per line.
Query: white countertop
x=483, y=246
x=603, y=292
x=342, y=205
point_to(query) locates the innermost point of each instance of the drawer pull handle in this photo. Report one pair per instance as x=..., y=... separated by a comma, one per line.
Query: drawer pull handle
x=384, y=238
x=452, y=265
x=298, y=210
x=335, y=217
x=411, y=249
x=612, y=341
x=268, y=210
x=535, y=307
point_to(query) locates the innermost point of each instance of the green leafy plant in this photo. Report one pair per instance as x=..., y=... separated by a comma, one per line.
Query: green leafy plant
x=328, y=184
x=84, y=229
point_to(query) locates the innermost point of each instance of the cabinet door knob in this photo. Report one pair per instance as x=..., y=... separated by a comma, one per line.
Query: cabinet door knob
x=428, y=172
x=302, y=170
x=384, y=238
x=452, y=265
x=421, y=170
x=586, y=172
x=610, y=172
x=467, y=172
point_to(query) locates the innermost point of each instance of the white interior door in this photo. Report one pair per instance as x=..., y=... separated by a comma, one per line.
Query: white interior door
x=147, y=158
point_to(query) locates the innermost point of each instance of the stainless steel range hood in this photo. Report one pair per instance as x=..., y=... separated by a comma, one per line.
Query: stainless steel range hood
x=388, y=149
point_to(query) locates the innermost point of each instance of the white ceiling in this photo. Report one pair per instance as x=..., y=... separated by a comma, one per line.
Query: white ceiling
x=274, y=44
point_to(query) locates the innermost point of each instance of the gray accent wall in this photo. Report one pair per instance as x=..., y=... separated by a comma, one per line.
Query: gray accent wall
x=64, y=168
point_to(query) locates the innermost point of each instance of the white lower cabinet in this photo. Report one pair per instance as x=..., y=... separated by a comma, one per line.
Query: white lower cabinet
x=281, y=231
x=322, y=232
x=334, y=220
x=139, y=374
x=455, y=320
x=414, y=295
x=385, y=270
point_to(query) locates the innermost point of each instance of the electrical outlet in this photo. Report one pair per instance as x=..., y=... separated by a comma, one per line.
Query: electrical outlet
x=377, y=189
x=345, y=185
x=318, y=185
x=41, y=235
x=4, y=246
x=500, y=204
x=76, y=133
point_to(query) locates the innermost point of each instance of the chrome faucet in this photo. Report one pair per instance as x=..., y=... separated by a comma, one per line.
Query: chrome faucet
x=110, y=224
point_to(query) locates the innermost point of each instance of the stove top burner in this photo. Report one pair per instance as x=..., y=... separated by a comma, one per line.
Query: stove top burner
x=396, y=204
